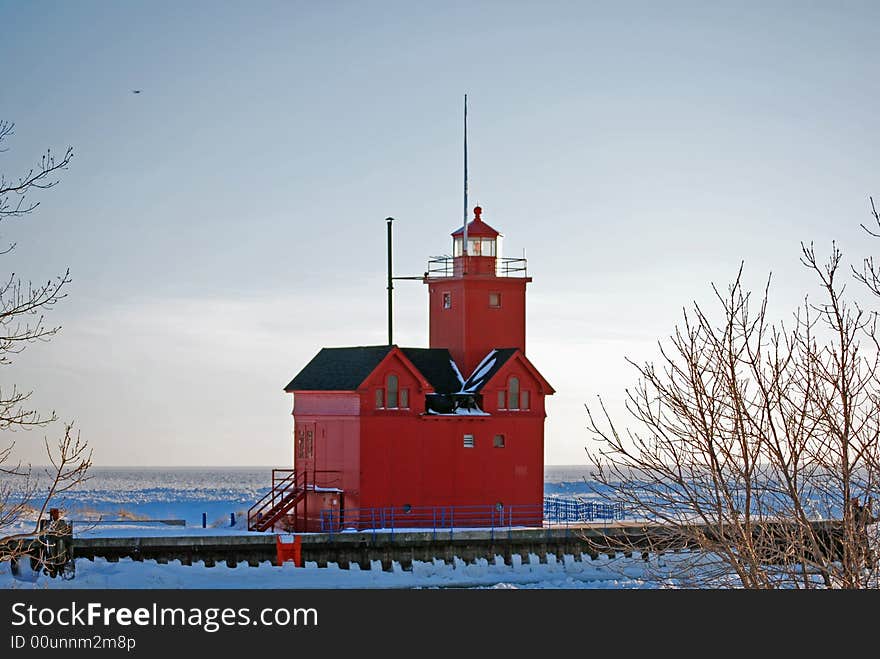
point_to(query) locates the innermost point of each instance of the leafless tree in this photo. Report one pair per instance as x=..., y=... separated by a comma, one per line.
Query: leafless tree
x=25, y=494
x=754, y=444
x=869, y=274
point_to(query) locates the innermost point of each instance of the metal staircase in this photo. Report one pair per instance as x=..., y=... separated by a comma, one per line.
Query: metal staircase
x=288, y=489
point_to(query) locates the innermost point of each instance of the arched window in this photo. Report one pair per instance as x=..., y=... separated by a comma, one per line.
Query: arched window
x=513, y=393
x=391, y=391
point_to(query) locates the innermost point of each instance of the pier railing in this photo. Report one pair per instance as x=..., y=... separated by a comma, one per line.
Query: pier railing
x=553, y=512
x=560, y=510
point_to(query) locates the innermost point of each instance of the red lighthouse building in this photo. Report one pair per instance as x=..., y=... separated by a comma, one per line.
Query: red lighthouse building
x=387, y=435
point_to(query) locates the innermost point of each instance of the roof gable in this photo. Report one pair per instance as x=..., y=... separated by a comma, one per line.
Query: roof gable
x=519, y=357
x=399, y=356
x=495, y=362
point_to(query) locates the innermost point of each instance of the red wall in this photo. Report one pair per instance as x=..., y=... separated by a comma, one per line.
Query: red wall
x=422, y=461
x=334, y=419
x=345, y=403
x=471, y=328
x=408, y=457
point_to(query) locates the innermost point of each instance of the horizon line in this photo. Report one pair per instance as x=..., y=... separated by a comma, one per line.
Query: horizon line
x=182, y=466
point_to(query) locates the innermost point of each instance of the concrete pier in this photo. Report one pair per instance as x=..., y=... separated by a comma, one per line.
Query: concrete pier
x=402, y=547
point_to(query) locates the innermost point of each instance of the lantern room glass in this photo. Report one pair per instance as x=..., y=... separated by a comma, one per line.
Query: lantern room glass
x=476, y=246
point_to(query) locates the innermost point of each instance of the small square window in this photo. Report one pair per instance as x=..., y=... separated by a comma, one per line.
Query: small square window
x=447, y=300
x=498, y=442
x=495, y=300
x=468, y=441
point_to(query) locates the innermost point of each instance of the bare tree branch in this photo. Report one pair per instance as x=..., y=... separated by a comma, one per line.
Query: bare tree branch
x=25, y=497
x=40, y=177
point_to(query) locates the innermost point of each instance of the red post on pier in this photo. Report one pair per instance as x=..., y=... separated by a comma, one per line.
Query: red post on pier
x=289, y=551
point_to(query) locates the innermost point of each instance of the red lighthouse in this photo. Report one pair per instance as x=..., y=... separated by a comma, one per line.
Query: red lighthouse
x=387, y=435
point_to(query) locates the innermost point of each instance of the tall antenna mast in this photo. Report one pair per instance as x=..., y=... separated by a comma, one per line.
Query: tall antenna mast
x=389, y=220
x=464, y=245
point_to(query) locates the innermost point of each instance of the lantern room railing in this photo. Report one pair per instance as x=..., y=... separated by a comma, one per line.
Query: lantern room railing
x=444, y=266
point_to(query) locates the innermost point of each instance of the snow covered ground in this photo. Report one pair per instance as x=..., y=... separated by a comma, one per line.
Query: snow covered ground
x=185, y=494
x=602, y=572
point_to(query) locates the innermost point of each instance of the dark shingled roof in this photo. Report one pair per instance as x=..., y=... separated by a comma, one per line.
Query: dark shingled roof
x=338, y=369
x=482, y=374
x=344, y=369
x=436, y=365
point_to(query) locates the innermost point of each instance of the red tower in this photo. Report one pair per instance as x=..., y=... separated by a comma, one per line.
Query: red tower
x=477, y=299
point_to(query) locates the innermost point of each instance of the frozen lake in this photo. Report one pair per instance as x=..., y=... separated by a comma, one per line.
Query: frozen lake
x=188, y=492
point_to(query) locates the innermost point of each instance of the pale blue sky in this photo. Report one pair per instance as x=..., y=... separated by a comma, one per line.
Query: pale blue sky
x=228, y=222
